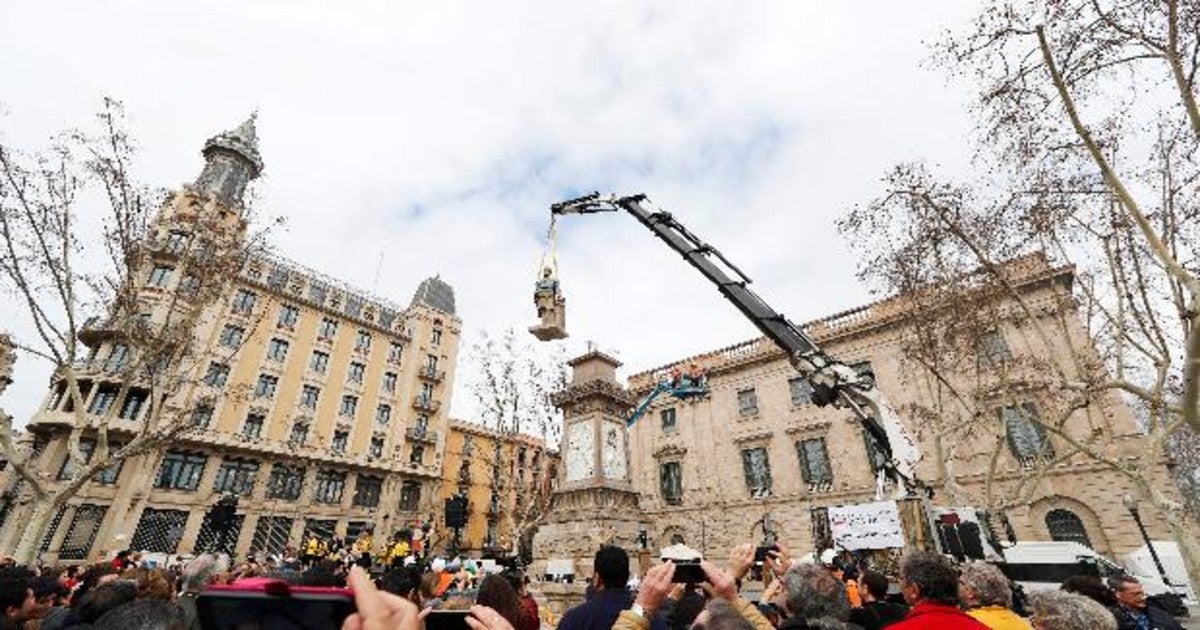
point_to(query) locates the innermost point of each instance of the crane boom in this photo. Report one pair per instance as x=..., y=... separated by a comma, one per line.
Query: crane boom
x=833, y=382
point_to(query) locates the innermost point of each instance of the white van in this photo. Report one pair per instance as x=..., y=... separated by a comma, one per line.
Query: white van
x=1044, y=565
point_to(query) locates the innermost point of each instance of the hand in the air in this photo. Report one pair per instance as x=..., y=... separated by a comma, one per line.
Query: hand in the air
x=741, y=558
x=655, y=586
x=378, y=610
x=721, y=583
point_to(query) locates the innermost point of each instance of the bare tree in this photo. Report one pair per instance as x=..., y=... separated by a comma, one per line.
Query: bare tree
x=513, y=388
x=1088, y=132
x=136, y=279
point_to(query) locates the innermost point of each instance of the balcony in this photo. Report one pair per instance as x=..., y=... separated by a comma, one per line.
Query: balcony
x=431, y=373
x=96, y=330
x=421, y=434
x=429, y=405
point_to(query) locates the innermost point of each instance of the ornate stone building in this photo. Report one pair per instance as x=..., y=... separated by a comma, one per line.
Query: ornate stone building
x=320, y=406
x=507, y=480
x=706, y=470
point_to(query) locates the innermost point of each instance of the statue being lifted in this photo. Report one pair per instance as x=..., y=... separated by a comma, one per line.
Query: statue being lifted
x=547, y=296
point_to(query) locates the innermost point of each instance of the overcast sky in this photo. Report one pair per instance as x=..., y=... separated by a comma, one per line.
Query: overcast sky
x=403, y=140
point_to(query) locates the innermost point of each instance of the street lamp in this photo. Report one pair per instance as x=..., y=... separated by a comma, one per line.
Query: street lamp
x=1131, y=504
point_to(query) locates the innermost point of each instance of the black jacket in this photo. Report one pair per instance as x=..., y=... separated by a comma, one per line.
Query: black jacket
x=877, y=615
x=1159, y=619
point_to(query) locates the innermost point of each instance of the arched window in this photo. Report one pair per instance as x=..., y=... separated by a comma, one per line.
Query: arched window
x=1065, y=526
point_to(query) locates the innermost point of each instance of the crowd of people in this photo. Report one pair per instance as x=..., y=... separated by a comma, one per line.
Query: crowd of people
x=128, y=592
x=933, y=592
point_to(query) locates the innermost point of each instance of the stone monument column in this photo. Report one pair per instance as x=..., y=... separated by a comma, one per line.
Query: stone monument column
x=594, y=503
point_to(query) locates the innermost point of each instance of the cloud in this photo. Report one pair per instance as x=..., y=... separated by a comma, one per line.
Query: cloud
x=405, y=140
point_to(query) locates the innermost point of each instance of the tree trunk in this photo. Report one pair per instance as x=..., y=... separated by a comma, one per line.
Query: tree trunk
x=1187, y=536
x=35, y=530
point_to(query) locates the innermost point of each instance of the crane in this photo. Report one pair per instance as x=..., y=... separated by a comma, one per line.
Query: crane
x=833, y=382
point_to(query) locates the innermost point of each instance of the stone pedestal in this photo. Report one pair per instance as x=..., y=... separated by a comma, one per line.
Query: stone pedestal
x=595, y=503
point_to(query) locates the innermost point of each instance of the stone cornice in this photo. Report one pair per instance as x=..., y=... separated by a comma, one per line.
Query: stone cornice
x=594, y=388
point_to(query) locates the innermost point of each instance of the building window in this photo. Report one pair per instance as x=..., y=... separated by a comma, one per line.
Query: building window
x=82, y=532
x=181, y=471
x=159, y=531
x=417, y=456
x=105, y=397
x=426, y=395
x=308, y=396
x=236, y=476
x=757, y=469
x=410, y=496
x=189, y=285
x=116, y=358
x=801, y=390
x=366, y=491
x=435, y=338
x=87, y=447
x=389, y=382
x=668, y=418
x=217, y=374
x=328, y=329
x=355, y=375
x=330, y=485
x=395, y=351
x=340, y=438
x=814, y=462
x=135, y=399
x=254, y=426
x=202, y=416
x=277, y=278
x=747, y=402
x=376, y=447
x=349, y=405
x=431, y=362
x=277, y=350
x=288, y=316
x=285, y=482
x=299, y=434
x=383, y=414
x=1026, y=436
x=993, y=350
x=354, y=306
x=421, y=424
x=176, y=242
x=265, y=387
x=362, y=343
x=244, y=301
x=159, y=276
x=1066, y=526
x=319, y=362
x=231, y=336
x=670, y=482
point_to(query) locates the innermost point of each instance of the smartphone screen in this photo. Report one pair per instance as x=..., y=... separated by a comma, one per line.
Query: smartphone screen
x=689, y=573
x=259, y=611
x=447, y=620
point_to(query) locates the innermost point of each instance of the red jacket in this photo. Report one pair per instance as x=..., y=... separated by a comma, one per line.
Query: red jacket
x=931, y=615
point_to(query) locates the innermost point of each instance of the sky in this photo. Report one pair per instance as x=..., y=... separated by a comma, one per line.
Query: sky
x=404, y=140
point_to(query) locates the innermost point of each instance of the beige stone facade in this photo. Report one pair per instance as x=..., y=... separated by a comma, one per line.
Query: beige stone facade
x=759, y=412
x=317, y=404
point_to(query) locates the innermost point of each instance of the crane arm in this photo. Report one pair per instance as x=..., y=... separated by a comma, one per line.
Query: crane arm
x=833, y=382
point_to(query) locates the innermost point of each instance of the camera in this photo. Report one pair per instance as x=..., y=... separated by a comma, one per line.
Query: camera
x=761, y=553
x=689, y=572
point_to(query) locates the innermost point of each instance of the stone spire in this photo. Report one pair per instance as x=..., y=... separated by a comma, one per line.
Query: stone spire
x=231, y=162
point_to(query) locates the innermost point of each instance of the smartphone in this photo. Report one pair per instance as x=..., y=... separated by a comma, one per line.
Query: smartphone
x=264, y=604
x=762, y=553
x=689, y=573
x=447, y=620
